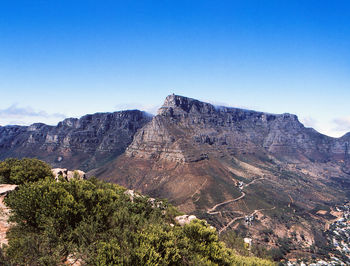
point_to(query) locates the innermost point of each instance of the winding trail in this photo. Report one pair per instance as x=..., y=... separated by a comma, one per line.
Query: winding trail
x=241, y=217
x=211, y=211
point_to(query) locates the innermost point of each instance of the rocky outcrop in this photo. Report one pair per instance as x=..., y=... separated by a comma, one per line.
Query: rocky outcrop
x=83, y=143
x=4, y=212
x=68, y=175
x=6, y=188
x=185, y=219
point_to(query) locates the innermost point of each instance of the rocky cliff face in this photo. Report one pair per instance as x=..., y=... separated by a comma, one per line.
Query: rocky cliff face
x=188, y=131
x=184, y=123
x=83, y=143
x=223, y=164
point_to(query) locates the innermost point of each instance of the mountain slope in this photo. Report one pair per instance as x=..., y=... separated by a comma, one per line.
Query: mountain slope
x=195, y=154
x=225, y=165
x=83, y=143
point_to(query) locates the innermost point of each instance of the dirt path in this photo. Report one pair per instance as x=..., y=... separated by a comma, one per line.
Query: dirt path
x=242, y=217
x=253, y=181
x=211, y=211
x=199, y=190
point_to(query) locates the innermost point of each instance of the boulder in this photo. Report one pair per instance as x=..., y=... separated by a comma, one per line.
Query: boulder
x=184, y=219
x=68, y=175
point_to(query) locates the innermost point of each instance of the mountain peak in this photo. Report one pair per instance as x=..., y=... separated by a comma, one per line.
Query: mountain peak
x=177, y=104
x=177, y=100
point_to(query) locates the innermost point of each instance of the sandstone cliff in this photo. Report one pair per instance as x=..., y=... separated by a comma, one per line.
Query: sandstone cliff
x=183, y=122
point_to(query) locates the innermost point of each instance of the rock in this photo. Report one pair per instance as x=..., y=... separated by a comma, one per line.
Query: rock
x=248, y=241
x=74, y=143
x=4, y=212
x=57, y=172
x=78, y=174
x=68, y=175
x=131, y=194
x=185, y=219
x=73, y=261
x=185, y=124
x=5, y=188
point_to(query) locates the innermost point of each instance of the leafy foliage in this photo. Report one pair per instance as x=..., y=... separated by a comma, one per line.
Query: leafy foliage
x=236, y=242
x=97, y=223
x=15, y=171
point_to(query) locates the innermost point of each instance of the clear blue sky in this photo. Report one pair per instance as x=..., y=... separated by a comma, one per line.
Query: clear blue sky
x=71, y=57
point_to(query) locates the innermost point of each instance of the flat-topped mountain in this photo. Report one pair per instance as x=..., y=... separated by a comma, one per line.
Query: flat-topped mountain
x=224, y=164
x=209, y=128
x=83, y=143
x=238, y=169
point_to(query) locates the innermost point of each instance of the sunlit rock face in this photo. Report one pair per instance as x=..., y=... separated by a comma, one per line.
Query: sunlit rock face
x=184, y=123
x=196, y=154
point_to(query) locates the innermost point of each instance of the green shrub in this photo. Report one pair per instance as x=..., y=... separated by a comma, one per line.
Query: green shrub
x=98, y=224
x=16, y=171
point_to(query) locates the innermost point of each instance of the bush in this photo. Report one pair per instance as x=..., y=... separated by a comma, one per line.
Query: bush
x=276, y=254
x=98, y=224
x=233, y=241
x=15, y=171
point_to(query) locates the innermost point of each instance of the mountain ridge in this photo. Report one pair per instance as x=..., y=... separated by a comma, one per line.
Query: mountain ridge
x=99, y=135
x=37, y=125
x=219, y=163
x=179, y=107
x=197, y=155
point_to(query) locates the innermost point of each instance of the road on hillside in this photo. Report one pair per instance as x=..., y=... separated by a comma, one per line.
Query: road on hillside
x=241, y=217
x=211, y=211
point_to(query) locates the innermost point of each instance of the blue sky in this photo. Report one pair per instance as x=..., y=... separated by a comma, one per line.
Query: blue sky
x=68, y=58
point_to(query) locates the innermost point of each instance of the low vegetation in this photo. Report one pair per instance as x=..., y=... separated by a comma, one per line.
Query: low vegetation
x=97, y=223
x=16, y=171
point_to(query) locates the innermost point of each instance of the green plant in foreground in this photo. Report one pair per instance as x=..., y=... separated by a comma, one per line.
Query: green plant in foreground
x=16, y=171
x=97, y=223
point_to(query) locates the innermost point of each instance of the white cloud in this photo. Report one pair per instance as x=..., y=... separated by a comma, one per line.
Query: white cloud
x=309, y=122
x=224, y=104
x=336, y=127
x=152, y=109
x=342, y=124
x=15, y=115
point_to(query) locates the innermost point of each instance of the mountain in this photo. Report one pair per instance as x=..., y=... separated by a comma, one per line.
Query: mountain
x=196, y=154
x=264, y=175
x=83, y=143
